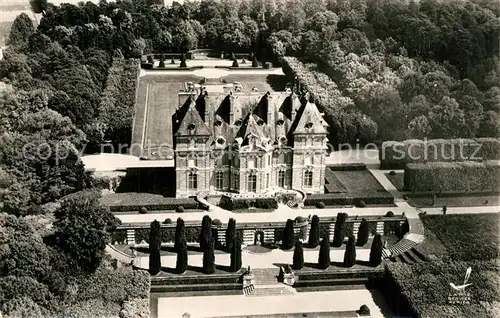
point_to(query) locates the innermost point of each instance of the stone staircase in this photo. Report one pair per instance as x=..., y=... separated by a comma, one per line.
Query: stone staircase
x=266, y=284
x=411, y=256
x=399, y=248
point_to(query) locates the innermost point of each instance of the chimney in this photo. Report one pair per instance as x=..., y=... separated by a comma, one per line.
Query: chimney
x=206, y=100
x=295, y=104
x=231, y=108
x=269, y=103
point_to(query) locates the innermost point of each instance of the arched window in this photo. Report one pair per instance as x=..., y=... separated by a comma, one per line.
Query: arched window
x=219, y=180
x=308, y=179
x=281, y=178
x=193, y=181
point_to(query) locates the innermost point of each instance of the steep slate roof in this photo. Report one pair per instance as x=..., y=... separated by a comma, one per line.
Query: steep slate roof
x=309, y=121
x=192, y=124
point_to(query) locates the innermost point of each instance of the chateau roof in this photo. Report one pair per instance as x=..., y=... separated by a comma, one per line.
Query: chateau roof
x=191, y=124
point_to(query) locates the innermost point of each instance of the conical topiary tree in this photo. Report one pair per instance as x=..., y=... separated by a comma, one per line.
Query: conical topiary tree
x=363, y=233
x=350, y=253
x=183, y=60
x=324, y=254
x=235, y=63
x=233, y=57
x=180, y=233
x=209, y=258
x=298, y=256
x=162, y=60
x=150, y=59
x=154, y=248
x=376, y=250
x=339, y=232
x=206, y=232
x=182, y=257
x=255, y=63
x=172, y=61
x=314, y=232
x=288, y=235
x=230, y=234
x=235, y=255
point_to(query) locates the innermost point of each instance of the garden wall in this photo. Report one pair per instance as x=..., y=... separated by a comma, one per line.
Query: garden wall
x=395, y=154
x=463, y=176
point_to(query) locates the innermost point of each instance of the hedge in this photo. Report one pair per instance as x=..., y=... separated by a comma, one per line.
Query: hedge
x=452, y=176
x=232, y=204
x=342, y=199
x=395, y=154
x=167, y=235
x=166, y=204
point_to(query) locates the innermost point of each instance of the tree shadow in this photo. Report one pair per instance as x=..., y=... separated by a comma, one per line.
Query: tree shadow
x=312, y=265
x=280, y=264
x=364, y=263
x=310, y=246
x=277, y=82
x=142, y=249
x=224, y=268
x=168, y=249
x=169, y=270
x=194, y=248
x=337, y=264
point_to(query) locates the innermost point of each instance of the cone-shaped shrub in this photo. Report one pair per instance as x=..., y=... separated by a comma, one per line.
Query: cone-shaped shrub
x=350, y=253
x=150, y=59
x=339, y=233
x=235, y=63
x=363, y=233
x=182, y=257
x=209, y=258
x=314, y=232
x=154, y=248
x=172, y=61
x=235, y=255
x=233, y=57
x=255, y=63
x=230, y=234
x=183, y=60
x=288, y=235
x=162, y=60
x=376, y=251
x=251, y=56
x=298, y=256
x=180, y=233
x=206, y=232
x=324, y=254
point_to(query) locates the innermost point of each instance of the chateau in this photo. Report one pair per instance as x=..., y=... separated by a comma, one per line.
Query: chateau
x=226, y=140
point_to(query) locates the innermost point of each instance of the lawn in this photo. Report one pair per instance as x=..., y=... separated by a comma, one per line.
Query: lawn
x=455, y=200
x=397, y=180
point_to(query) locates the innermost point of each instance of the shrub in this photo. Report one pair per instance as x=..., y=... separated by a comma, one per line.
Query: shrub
x=235, y=63
x=298, y=256
x=339, y=232
x=209, y=258
x=363, y=233
x=255, y=63
x=167, y=221
x=288, y=236
x=376, y=251
x=133, y=202
x=143, y=210
x=361, y=204
x=150, y=59
x=300, y=219
x=216, y=222
x=324, y=254
x=206, y=232
x=154, y=248
x=243, y=61
x=364, y=311
x=179, y=209
x=350, y=253
x=314, y=232
x=392, y=173
x=320, y=205
x=235, y=254
x=180, y=234
x=182, y=256
x=183, y=60
x=230, y=234
x=172, y=61
x=268, y=65
x=162, y=60
x=389, y=214
x=452, y=176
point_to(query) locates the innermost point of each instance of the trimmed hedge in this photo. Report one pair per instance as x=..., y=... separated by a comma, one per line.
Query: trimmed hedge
x=452, y=176
x=167, y=235
x=341, y=199
x=232, y=204
x=395, y=154
x=165, y=204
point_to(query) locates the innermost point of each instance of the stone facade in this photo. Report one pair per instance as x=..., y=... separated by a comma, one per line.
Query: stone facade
x=248, y=143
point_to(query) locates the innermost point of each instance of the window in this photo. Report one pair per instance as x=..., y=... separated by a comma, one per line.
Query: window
x=193, y=181
x=267, y=180
x=308, y=179
x=309, y=160
x=251, y=163
x=191, y=162
x=236, y=181
x=219, y=180
x=252, y=183
x=269, y=160
x=282, y=158
x=281, y=179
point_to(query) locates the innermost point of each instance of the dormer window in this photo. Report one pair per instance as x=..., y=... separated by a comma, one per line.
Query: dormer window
x=238, y=122
x=191, y=126
x=309, y=125
x=280, y=122
x=221, y=141
x=218, y=123
x=282, y=140
x=260, y=122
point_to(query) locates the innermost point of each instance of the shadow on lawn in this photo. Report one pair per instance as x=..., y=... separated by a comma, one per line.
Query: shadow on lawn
x=277, y=82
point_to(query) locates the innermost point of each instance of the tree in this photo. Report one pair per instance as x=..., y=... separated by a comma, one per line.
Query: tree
x=490, y=125
x=235, y=255
x=154, y=248
x=314, y=232
x=206, y=232
x=447, y=119
x=162, y=60
x=182, y=256
x=350, y=253
x=235, y=63
x=183, y=60
x=363, y=232
x=339, y=232
x=288, y=235
x=39, y=6
x=20, y=31
x=180, y=234
x=209, y=258
x=376, y=250
x=230, y=234
x=255, y=63
x=82, y=229
x=298, y=256
x=324, y=254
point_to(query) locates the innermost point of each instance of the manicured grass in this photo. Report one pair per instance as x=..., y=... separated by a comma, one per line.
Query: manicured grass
x=165, y=250
x=397, y=180
x=455, y=200
x=466, y=237
x=357, y=181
